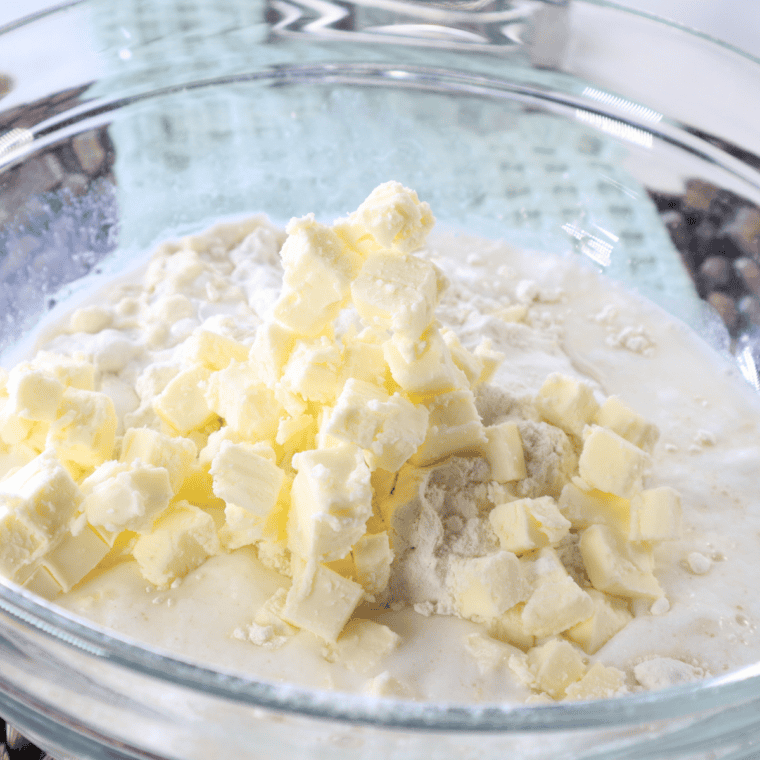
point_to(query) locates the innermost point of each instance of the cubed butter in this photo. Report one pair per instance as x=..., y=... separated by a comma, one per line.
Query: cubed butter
x=610, y=615
x=182, y=403
x=589, y=507
x=617, y=566
x=655, y=515
x=483, y=588
x=388, y=428
x=504, y=451
x=616, y=416
x=181, y=541
x=454, y=427
x=244, y=478
x=33, y=394
x=313, y=370
x=373, y=556
x=555, y=665
x=331, y=501
x=526, y=524
x=599, y=682
x=321, y=601
x=85, y=429
x=212, y=350
x=74, y=556
x=363, y=644
x=154, y=448
x=567, y=403
x=611, y=464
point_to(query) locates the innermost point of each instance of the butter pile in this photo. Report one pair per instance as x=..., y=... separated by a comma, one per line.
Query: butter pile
x=315, y=442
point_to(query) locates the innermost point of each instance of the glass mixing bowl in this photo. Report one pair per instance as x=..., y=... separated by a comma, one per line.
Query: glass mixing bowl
x=557, y=125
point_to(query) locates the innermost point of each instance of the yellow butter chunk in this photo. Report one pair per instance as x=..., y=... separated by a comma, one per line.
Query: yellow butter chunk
x=246, y=406
x=212, y=350
x=483, y=588
x=321, y=601
x=73, y=373
x=331, y=501
x=611, y=464
x=270, y=350
x=74, y=556
x=555, y=606
x=616, y=416
x=555, y=665
x=181, y=540
x=126, y=497
x=388, y=428
x=397, y=292
x=655, y=515
x=454, y=426
x=472, y=365
x=151, y=447
x=37, y=504
x=182, y=403
x=423, y=367
x=610, y=615
x=42, y=583
x=362, y=644
x=313, y=369
x=509, y=628
x=567, y=403
x=394, y=216
x=372, y=555
x=318, y=272
x=616, y=566
x=504, y=452
x=33, y=394
x=526, y=524
x=599, y=682
x=584, y=508
x=85, y=429
x=244, y=478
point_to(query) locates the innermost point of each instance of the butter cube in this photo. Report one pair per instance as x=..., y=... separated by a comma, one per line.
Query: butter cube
x=504, y=451
x=489, y=653
x=321, y=601
x=423, y=367
x=42, y=583
x=616, y=416
x=247, y=406
x=483, y=588
x=584, y=508
x=491, y=361
x=616, y=566
x=331, y=501
x=555, y=606
x=313, y=369
x=364, y=360
x=373, y=556
x=388, y=428
x=508, y=627
x=611, y=464
x=33, y=394
x=454, y=427
x=130, y=499
x=270, y=614
x=599, y=682
x=363, y=644
x=527, y=524
x=567, y=403
x=471, y=365
x=85, y=430
x=270, y=350
x=394, y=216
x=555, y=665
x=655, y=515
x=74, y=556
x=73, y=373
x=212, y=350
x=151, y=447
x=181, y=541
x=397, y=292
x=244, y=478
x=37, y=503
x=318, y=272
x=182, y=403
x=610, y=615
